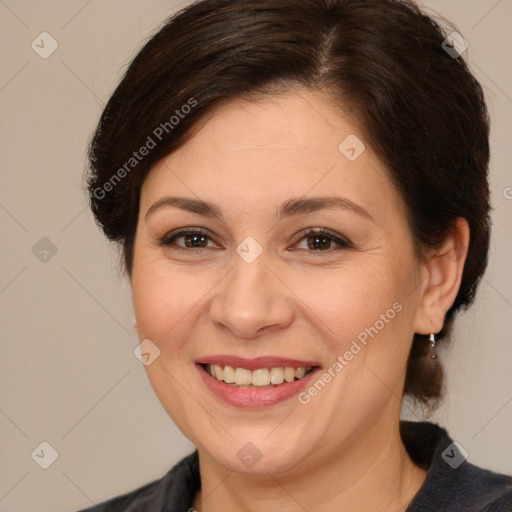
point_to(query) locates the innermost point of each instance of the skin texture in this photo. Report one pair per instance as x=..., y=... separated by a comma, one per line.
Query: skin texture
x=343, y=447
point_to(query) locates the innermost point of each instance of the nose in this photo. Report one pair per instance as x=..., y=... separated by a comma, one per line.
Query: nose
x=252, y=299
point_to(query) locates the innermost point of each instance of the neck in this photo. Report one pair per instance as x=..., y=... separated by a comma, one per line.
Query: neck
x=373, y=472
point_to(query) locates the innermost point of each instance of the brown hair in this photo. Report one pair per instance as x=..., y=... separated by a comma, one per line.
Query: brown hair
x=420, y=110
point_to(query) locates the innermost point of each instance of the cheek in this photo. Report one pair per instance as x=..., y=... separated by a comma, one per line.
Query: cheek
x=164, y=302
x=345, y=300
x=365, y=321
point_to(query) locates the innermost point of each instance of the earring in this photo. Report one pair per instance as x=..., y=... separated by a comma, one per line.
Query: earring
x=433, y=345
x=134, y=323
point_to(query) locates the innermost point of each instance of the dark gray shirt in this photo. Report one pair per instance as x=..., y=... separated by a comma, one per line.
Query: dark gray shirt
x=451, y=485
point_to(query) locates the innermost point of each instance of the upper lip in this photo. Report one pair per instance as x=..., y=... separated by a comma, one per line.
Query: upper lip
x=256, y=363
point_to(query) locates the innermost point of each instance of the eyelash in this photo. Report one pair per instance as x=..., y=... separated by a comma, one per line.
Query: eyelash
x=168, y=240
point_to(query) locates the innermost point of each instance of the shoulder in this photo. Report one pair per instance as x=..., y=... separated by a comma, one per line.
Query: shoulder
x=484, y=490
x=177, y=487
x=452, y=483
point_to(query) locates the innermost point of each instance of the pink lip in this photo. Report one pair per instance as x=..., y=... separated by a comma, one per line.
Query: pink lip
x=253, y=397
x=256, y=363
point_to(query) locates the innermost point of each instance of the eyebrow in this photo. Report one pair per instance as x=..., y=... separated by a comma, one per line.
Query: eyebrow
x=291, y=207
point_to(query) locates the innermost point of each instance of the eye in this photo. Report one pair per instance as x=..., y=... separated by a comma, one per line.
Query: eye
x=320, y=240
x=193, y=239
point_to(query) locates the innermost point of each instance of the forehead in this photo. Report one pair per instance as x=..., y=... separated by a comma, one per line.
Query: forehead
x=299, y=120
x=264, y=151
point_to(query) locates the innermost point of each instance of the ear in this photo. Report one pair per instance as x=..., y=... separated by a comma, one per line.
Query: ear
x=440, y=277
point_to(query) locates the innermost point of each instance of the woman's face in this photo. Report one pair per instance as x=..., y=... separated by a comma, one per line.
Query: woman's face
x=255, y=285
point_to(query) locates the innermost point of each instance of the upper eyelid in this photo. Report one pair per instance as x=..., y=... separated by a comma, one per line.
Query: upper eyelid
x=185, y=231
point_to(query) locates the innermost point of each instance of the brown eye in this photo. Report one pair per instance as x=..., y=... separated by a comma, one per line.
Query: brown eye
x=321, y=240
x=316, y=242
x=192, y=239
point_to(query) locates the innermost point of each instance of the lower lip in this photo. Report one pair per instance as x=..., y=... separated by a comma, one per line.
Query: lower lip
x=254, y=397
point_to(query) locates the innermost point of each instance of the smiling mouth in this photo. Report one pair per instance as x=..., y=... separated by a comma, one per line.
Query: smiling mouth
x=261, y=378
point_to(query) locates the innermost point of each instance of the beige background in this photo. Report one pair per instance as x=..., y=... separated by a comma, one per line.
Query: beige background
x=68, y=374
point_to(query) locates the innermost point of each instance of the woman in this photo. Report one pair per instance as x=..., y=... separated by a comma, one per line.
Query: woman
x=300, y=191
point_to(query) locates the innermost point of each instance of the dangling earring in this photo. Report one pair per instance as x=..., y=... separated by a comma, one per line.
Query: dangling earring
x=134, y=324
x=433, y=345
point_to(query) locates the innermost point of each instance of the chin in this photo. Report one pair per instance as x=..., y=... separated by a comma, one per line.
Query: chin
x=258, y=457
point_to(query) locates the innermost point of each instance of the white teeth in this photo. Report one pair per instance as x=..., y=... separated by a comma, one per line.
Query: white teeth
x=260, y=377
x=229, y=374
x=242, y=376
x=300, y=372
x=219, y=372
x=289, y=374
x=276, y=376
